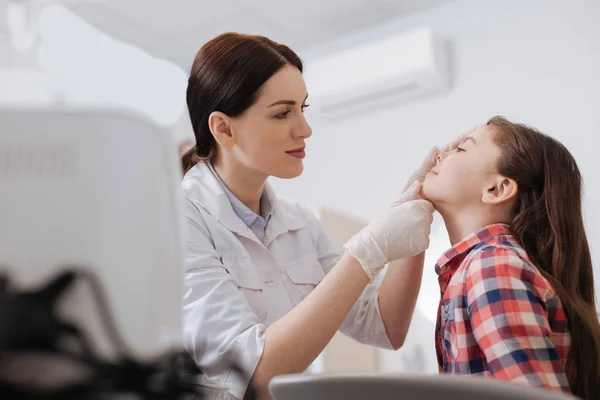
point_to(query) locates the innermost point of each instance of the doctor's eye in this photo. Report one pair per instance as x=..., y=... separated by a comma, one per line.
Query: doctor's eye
x=283, y=115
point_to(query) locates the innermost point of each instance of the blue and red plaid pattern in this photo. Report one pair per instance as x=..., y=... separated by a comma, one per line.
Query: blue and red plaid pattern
x=498, y=315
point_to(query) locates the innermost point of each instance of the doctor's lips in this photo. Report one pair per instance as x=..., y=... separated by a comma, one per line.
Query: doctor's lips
x=298, y=153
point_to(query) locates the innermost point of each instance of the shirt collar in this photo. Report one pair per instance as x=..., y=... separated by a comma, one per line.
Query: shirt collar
x=245, y=213
x=200, y=185
x=484, y=235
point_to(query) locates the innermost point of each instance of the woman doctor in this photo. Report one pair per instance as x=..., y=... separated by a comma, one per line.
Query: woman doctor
x=265, y=288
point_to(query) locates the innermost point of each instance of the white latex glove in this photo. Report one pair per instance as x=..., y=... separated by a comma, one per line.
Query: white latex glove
x=426, y=166
x=429, y=161
x=403, y=231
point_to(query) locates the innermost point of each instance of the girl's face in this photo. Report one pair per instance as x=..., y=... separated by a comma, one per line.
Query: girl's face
x=463, y=178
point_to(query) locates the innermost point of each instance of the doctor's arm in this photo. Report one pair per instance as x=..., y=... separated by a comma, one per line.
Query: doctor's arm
x=382, y=314
x=398, y=296
x=293, y=342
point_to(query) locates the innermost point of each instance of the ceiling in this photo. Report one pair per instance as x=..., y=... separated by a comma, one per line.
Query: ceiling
x=175, y=29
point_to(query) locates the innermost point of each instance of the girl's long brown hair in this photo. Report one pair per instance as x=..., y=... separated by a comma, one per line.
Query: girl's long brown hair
x=547, y=221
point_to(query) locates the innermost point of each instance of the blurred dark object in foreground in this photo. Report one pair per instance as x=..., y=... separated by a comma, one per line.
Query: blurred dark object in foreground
x=44, y=357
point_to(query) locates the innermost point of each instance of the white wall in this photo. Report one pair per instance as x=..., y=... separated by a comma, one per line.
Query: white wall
x=535, y=61
x=72, y=62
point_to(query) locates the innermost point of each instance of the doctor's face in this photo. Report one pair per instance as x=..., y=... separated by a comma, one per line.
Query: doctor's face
x=270, y=136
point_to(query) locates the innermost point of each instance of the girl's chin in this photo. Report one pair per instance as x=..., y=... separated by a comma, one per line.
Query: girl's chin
x=424, y=192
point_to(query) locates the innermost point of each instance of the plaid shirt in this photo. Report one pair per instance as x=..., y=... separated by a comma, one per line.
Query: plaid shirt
x=498, y=315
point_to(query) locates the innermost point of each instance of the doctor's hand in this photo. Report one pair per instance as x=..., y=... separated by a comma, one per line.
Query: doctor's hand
x=402, y=231
x=429, y=161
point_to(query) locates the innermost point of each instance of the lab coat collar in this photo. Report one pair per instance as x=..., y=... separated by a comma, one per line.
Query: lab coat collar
x=282, y=219
x=201, y=185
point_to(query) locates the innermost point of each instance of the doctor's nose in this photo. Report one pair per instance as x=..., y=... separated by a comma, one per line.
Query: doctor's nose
x=304, y=130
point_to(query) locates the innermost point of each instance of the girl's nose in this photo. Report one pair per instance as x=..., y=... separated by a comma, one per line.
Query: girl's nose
x=441, y=157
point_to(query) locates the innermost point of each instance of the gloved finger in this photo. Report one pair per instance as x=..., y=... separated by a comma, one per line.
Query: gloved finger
x=427, y=164
x=412, y=193
x=430, y=161
x=427, y=243
x=429, y=219
x=428, y=215
x=426, y=206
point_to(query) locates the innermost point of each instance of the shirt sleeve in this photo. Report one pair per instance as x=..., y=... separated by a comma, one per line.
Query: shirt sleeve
x=507, y=305
x=363, y=323
x=220, y=327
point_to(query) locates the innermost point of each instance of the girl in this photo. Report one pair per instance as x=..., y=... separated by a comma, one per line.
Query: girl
x=517, y=288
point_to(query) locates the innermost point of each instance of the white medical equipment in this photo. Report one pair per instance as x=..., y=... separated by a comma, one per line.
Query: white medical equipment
x=90, y=194
x=405, y=387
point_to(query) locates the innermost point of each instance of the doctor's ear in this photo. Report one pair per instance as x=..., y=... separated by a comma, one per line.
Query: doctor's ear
x=220, y=127
x=500, y=190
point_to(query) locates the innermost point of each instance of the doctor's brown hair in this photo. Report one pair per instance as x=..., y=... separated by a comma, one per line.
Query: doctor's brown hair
x=226, y=76
x=547, y=221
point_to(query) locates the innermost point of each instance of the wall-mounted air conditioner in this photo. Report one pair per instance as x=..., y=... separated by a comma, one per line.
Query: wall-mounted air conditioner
x=386, y=71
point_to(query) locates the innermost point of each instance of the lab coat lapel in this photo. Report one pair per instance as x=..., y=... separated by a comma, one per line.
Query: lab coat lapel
x=204, y=187
x=282, y=219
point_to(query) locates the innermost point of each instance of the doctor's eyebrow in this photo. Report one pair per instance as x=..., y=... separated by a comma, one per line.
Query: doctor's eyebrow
x=288, y=102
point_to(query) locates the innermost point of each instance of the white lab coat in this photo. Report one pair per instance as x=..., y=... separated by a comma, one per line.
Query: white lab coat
x=236, y=285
